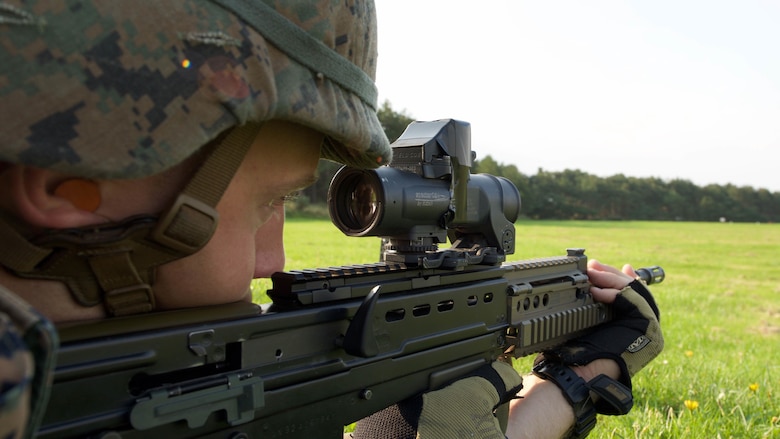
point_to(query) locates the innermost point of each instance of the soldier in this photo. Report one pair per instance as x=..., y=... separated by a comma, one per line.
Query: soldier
x=141, y=125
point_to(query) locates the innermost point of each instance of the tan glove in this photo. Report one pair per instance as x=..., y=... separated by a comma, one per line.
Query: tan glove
x=462, y=409
x=632, y=338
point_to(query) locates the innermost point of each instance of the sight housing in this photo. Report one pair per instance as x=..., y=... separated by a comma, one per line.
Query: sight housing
x=426, y=196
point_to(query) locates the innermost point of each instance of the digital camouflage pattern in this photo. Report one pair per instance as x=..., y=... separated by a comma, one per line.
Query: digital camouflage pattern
x=16, y=373
x=119, y=89
x=28, y=343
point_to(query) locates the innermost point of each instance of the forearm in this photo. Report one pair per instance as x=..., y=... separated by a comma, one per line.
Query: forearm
x=543, y=412
x=541, y=402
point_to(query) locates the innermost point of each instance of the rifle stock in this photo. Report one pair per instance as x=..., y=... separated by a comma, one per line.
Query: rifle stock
x=337, y=345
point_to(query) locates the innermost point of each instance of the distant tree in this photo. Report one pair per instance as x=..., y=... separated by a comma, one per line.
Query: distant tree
x=682, y=199
x=393, y=123
x=486, y=166
x=768, y=204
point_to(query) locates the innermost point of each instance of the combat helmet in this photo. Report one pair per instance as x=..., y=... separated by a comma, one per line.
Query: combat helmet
x=117, y=89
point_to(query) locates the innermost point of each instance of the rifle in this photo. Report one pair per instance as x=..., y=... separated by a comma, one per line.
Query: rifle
x=338, y=344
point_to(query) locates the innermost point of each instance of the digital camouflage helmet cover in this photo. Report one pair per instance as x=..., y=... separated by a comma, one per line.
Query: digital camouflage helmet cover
x=117, y=89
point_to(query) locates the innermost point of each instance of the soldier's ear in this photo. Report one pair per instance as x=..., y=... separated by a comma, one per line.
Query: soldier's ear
x=44, y=198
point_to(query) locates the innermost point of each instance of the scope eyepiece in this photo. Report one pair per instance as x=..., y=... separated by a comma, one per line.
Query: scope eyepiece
x=357, y=209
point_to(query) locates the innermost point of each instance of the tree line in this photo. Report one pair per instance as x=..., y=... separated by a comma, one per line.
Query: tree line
x=574, y=194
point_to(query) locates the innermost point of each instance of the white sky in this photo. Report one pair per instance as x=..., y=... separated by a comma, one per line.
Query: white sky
x=648, y=88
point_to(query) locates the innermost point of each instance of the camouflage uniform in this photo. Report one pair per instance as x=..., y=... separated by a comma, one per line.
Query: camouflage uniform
x=119, y=89
x=16, y=371
x=28, y=344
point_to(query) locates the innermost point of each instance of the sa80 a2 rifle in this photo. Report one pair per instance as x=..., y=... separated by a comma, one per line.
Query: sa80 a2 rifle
x=338, y=344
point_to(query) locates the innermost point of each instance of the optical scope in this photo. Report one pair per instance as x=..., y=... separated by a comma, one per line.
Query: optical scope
x=426, y=196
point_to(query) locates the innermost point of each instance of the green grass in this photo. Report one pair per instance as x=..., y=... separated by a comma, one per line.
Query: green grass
x=720, y=307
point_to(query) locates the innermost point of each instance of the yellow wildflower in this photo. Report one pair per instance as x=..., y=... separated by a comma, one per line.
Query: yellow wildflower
x=691, y=404
x=753, y=387
x=689, y=354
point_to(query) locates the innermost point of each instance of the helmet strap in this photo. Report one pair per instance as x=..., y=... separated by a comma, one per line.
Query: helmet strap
x=116, y=263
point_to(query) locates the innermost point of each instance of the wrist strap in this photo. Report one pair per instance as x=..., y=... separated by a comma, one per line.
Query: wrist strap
x=575, y=390
x=615, y=398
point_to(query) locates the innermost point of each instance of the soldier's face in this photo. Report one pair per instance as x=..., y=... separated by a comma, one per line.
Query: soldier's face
x=248, y=241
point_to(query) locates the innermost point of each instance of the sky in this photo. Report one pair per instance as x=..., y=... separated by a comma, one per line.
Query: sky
x=669, y=89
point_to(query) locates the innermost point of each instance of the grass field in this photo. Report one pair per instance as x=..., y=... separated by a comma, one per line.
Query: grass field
x=719, y=375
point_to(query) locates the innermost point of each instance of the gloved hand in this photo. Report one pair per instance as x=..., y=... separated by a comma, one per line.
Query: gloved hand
x=633, y=338
x=460, y=410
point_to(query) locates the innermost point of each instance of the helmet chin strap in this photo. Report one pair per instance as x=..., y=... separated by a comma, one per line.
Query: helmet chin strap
x=115, y=263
